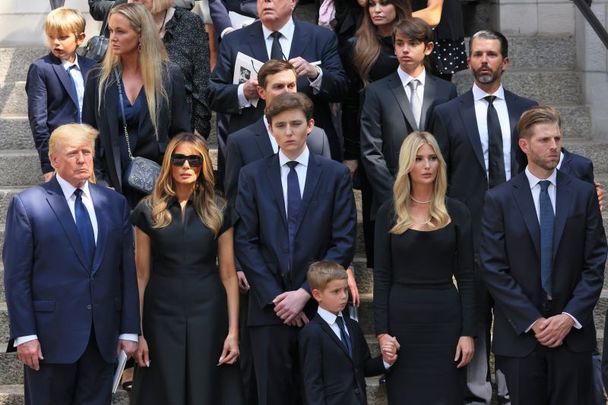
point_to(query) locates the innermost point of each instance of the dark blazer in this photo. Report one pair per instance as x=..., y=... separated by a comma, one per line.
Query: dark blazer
x=312, y=43
x=51, y=100
x=386, y=119
x=510, y=262
x=330, y=375
x=577, y=166
x=173, y=118
x=455, y=127
x=251, y=143
x=326, y=229
x=219, y=12
x=51, y=292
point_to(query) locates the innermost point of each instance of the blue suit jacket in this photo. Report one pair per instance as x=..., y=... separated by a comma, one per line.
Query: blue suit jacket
x=510, y=261
x=326, y=229
x=51, y=100
x=219, y=12
x=311, y=42
x=577, y=166
x=51, y=292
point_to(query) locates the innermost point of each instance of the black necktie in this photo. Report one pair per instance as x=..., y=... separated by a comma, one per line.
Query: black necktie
x=85, y=228
x=276, y=52
x=344, y=336
x=294, y=199
x=496, y=161
x=547, y=219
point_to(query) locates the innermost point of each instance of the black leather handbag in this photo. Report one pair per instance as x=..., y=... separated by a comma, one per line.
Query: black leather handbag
x=98, y=45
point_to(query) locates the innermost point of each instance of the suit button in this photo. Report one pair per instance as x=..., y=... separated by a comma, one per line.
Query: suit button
x=89, y=307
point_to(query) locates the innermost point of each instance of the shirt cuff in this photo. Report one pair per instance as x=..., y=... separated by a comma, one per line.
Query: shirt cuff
x=24, y=339
x=386, y=365
x=531, y=325
x=129, y=336
x=316, y=84
x=243, y=102
x=226, y=31
x=577, y=324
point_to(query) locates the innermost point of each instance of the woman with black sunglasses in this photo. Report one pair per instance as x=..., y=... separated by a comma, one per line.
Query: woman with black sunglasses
x=189, y=304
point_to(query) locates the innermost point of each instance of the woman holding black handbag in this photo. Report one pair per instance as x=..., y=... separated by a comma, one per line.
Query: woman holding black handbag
x=136, y=99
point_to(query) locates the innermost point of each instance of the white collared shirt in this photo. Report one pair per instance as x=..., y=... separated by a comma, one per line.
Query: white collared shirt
x=68, y=193
x=406, y=79
x=301, y=170
x=273, y=142
x=561, y=159
x=535, y=189
x=78, y=78
x=551, y=190
x=481, y=115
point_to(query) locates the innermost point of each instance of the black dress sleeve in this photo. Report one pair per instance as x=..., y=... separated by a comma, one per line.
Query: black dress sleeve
x=141, y=216
x=464, y=265
x=383, y=266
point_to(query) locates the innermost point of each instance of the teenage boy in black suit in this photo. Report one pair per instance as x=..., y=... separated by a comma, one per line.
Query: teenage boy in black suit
x=334, y=355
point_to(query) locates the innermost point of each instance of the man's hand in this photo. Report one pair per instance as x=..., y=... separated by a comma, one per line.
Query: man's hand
x=127, y=346
x=300, y=320
x=303, y=68
x=600, y=194
x=250, y=89
x=243, y=283
x=30, y=354
x=290, y=303
x=552, y=331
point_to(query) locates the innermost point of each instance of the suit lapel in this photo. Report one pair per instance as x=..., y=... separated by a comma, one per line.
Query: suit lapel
x=332, y=335
x=66, y=82
x=396, y=87
x=59, y=205
x=273, y=171
x=430, y=90
x=469, y=122
x=523, y=198
x=261, y=139
x=102, y=228
x=300, y=41
x=565, y=166
x=513, y=120
x=563, y=205
x=258, y=48
x=313, y=174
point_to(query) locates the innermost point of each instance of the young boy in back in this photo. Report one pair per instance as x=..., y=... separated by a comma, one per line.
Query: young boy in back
x=55, y=82
x=334, y=355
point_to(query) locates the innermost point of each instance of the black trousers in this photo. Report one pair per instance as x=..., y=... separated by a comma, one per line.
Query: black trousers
x=86, y=382
x=277, y=368
x=549, y=376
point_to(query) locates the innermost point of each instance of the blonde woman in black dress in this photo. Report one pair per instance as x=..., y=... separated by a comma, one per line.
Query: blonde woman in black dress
x=189, y=304
x=422, y=240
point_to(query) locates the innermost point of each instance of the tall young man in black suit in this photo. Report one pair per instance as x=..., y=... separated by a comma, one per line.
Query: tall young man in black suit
x=543, y=251
x=478, y=139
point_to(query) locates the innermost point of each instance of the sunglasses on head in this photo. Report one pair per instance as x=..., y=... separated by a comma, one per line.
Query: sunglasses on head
x=178, y=159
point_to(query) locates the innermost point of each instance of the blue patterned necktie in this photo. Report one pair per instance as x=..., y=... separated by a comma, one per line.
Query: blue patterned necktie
x=294, y=199
x=344, y=336
x=547, y=220
x=85, y=228
x=73, y=83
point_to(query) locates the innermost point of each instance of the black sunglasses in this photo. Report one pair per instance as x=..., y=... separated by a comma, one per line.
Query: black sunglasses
x=178, y=159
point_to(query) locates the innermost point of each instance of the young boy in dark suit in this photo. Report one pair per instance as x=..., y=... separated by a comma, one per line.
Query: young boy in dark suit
x=55, y=82
x=334, y=355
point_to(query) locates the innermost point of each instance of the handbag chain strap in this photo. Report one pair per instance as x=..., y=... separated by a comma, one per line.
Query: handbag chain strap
x=122, y=110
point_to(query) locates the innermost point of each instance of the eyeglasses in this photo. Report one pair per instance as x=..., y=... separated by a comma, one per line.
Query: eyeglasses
x=178, y=159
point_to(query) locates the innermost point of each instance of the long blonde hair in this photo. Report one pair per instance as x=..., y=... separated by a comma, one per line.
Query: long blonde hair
x=203, y=197
x=367, y=48
x=402, y=188
x=152, y=59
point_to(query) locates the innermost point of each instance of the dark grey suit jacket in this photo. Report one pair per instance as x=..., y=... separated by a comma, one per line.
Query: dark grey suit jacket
x=386, y=119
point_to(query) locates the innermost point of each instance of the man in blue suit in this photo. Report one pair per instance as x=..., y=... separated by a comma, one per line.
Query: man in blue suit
x=311, y=49
x=70, y=279
x=543, y=251
x=55, y=82
x=294, y=208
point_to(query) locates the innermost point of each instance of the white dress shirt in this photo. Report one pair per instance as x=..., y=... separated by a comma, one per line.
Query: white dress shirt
x=285, y=40
x=551, y=190
x=406, y=79
x=301, y=170
x=330, y=319
x=68, y=193
x=481, y=115
x=273, y=142
x=78, y=79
